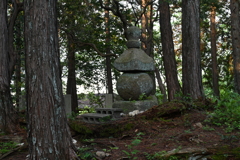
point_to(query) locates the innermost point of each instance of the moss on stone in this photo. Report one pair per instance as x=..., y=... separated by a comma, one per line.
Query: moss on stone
x=223, y=152
x=115, y=130
x=80, y=128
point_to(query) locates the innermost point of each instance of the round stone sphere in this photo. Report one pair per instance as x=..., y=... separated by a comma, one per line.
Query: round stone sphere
x=131, y=86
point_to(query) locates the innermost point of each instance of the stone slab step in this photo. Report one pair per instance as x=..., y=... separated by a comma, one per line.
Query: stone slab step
x=96, y=118
x=115, y=112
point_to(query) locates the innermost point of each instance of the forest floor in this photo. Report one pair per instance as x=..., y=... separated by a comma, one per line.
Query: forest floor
x=171, y=131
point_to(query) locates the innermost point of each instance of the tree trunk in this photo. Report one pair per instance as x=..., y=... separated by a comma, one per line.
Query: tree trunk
x=169, y=60
x=17, y=7
x=11, y=49
x=147, y=35
x=71, y=80
x=147, y=29
x=108, y=58
x=18, y=79
x=7, y=114
x=48, y=133
x=144, y=28
x=214, y=52
x=235, y=31
x=109, y=75
x=19, y=62
x=191, y=58
x=161, y=85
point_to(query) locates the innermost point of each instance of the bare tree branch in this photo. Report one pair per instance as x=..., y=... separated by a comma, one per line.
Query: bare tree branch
x=116, y=11
x=96, y=49
x=89, y=44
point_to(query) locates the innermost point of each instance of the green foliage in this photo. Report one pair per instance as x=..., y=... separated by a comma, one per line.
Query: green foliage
x=106, y=119
x=188, y=131
x=162, y=155
x=81, y=96
x=94, y=99
x=143, y=96
x=227, y=111
x=87, y=109
x=185, y=99
x=132, y=152
x=208, y=128
x=95, y=102
x=72, y=116
x=82, y=25
x=2, y=133
x=111, y=148
x=223, y=42
x=159, y=96
x=229, y=138
x=85, y=153
x=159, y=156
x=7, y=146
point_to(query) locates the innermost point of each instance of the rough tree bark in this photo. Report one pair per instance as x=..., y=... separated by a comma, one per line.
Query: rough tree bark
x=147, y=28
x=169, y=60
x=7, y=113
x=71, y=80
x=235, y=31
x=144, y=24
x=214, y=52
x=48, y=133
x=191, y=58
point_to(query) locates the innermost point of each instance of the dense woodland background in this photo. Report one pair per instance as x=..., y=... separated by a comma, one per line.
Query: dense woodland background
x=195, y=45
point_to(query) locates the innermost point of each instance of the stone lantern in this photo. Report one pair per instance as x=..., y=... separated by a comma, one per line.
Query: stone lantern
x=135, y=81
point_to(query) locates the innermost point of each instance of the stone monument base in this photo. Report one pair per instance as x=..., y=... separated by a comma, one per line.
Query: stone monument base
x=141, y=105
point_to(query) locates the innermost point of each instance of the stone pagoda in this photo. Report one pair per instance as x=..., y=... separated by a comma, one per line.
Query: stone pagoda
x=135, y=85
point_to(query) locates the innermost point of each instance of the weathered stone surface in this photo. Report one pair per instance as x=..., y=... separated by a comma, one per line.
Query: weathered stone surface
x=134, y=59
x=129, y=106
x=96, y=118
x=133, y=35
x=131, y=86
x=115, y=112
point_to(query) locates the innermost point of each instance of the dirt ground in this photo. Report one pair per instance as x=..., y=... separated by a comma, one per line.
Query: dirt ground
x=169, y=131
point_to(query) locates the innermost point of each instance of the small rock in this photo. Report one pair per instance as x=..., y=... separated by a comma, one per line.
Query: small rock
x=20, y=144
x=198, y=125
x=100, y=154
x=197, y=157
x=108, y=154
x=136, y=112
x=74, y=141
x=133, y=113
x=122, y=114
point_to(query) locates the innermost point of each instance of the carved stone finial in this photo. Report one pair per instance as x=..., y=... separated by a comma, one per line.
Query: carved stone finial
x=133, y=35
